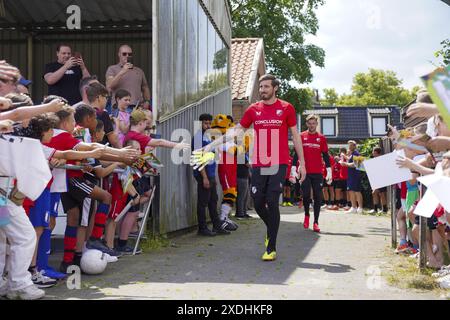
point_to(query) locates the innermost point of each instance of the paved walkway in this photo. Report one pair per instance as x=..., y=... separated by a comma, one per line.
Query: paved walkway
x=341, y=263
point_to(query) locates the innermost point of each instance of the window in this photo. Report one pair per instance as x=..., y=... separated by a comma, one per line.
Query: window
x=328, y=125
x=379, y=126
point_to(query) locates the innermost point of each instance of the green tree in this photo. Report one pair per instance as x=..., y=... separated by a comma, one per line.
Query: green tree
x=283, y=24
x=300, y=98
x=331, y=97
x=377, y=87
x=444, y=53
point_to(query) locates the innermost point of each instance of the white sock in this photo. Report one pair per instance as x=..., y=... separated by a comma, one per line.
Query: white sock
x=225, y=212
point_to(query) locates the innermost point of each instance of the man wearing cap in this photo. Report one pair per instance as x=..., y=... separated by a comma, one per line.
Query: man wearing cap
x=125, y=75
x=22, y=86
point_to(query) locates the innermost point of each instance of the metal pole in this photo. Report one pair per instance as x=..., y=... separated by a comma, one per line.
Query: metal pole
x=393, y=217
x=422, y=238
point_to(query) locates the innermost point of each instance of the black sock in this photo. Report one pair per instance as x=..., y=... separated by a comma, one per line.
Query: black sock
x=375, y=207
x=32, y=269
x=122, y=243
x=385, y=209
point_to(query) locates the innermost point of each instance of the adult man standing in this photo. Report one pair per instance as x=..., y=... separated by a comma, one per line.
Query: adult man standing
x=63, y=76
x=206, y=186
x=354, y=179
x=125, y=75
x=271, y=118
x=315, y=148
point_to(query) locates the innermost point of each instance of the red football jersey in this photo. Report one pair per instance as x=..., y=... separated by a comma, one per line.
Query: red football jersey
x=271, y=124
x=313, y=147
x=63, y=142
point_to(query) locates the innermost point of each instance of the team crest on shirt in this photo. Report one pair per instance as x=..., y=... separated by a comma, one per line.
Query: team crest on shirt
x=258, y=113
x=318, y=139
x=279, y=113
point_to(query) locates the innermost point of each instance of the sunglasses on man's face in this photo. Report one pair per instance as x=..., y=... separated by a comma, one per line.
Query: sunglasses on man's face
x=129, y=54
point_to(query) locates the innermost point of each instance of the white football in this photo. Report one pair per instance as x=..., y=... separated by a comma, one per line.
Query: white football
x=93, y=262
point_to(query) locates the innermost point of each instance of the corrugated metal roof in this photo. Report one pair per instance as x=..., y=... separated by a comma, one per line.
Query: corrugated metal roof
x=26, y=13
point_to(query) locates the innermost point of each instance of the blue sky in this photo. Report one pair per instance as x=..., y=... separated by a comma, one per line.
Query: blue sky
x=398, y=35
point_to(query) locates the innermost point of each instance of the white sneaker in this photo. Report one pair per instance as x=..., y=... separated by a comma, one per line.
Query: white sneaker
x=444, y=271
x=324, y=206
x=28, y=293
x=42, y=281
x=329, y=207
x=360, y=210
x=381, y=211
x=372, y=211
x=444, y=282
x=111, y=259
x=352, y=210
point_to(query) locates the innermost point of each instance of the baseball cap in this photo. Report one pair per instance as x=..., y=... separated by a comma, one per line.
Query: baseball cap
x=24, y=82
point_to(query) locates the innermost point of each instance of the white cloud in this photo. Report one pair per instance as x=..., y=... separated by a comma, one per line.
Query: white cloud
x=399, y=35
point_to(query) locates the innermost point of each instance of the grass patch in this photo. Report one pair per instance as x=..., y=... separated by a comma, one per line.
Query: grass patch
x=403, y=272
x=154, y=243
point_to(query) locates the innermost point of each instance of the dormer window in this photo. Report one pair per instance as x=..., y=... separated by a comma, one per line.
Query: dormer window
x=378, y=120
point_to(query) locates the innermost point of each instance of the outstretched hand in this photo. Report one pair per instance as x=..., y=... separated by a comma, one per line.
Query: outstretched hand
x=200, y=159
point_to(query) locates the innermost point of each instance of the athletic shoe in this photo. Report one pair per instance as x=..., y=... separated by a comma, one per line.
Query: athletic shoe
x=330, y=207
x=127, y=250
x=206, y=233
x=346, y=208
x=41, y=281
x=289, y=204
x=335, y=208
x=28, y=293
x=64, y=266
x=402, y=248
x=360, y=210
x=283, y=204
x=444, y=271
x=269, y=256
x=316, y=228
x=352, y=210
x=241, y=216
x=97, y=244
x=306, y=223
x=323, y=207
x=51, y=273
x=372, y=211
x=221, y=230
x=231, y=226
x=381, y=211
x=110, y=259
x=444, y=282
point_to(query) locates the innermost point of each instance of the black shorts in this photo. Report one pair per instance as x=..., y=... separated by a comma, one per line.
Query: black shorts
x=142, y=185
x=432, y=222
x=267, y=180
x=340, y=184
x=382, y=189
x=78, y=189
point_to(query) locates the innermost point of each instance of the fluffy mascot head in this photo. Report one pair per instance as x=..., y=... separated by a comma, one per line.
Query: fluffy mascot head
x=222, y=123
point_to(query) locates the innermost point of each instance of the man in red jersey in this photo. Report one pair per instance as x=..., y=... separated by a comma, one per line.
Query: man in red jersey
x=272, y=119
x=315, y=149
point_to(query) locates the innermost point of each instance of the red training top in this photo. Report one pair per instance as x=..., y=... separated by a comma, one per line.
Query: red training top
x=313, y=147
x=271, y=124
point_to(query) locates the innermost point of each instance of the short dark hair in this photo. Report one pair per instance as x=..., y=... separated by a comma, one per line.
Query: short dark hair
x=20, y=98
x=58, y=48
x=206, y=117
x=53, y=97
x=100, y=126
x=378, y=150
x=95, y=90
x=270, y=77
x=85, y=82
x=82, y=111
x=42, y=123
